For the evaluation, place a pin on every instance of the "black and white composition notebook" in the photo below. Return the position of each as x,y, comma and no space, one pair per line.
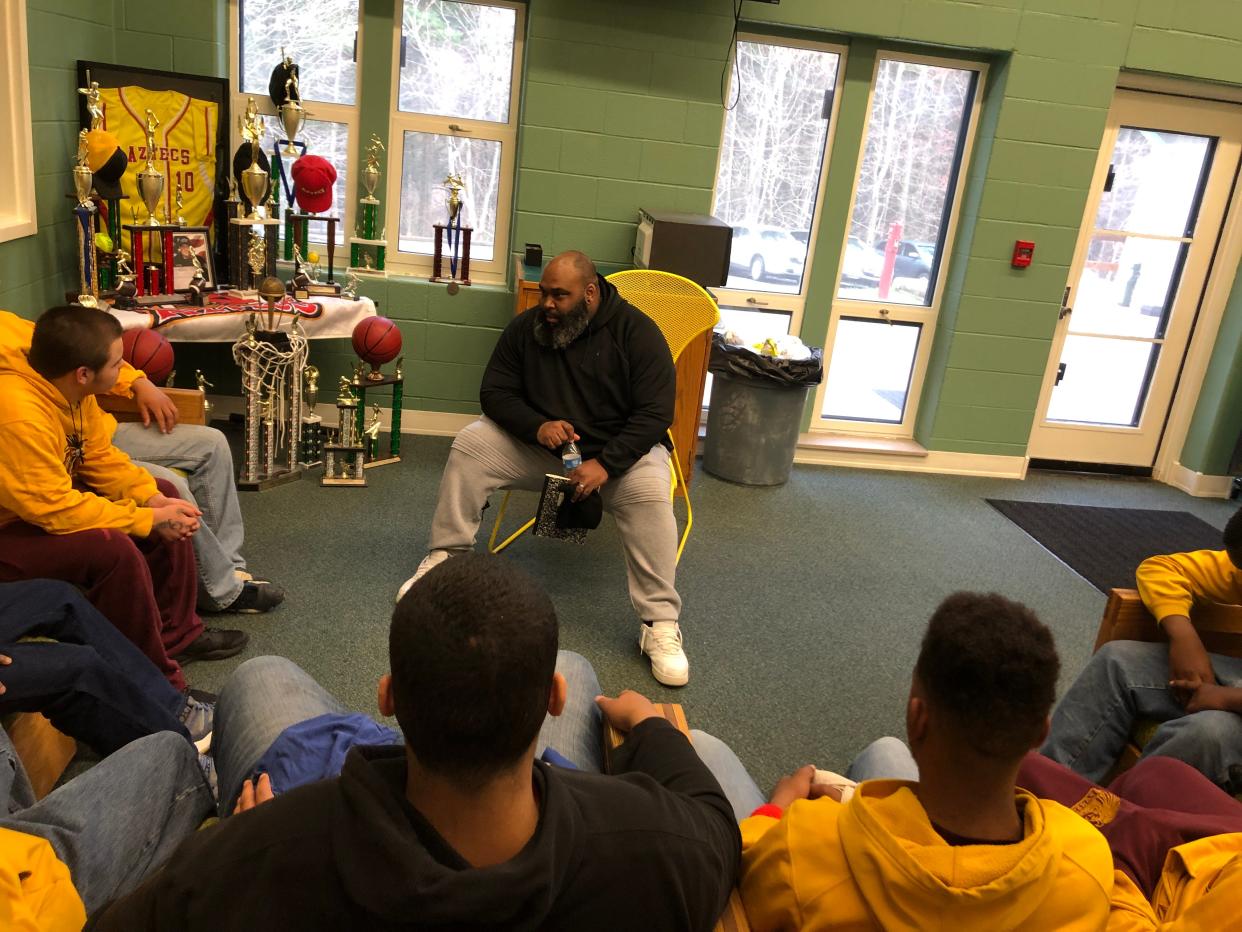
555,490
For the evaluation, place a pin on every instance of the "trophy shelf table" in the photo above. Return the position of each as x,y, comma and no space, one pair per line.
223,318
691,373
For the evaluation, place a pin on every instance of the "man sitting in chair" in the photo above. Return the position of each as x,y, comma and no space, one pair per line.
584,365
1196,696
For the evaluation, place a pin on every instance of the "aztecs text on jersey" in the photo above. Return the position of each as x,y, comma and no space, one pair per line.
185,149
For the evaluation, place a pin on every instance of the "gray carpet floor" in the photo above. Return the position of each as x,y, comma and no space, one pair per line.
804,604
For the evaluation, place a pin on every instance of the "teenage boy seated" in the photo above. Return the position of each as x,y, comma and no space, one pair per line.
73,506
1196,696
955,844
160,445
461,827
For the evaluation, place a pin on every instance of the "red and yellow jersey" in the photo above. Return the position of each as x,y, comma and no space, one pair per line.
186,148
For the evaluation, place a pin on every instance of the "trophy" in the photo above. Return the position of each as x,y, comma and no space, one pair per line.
126,288
254,179
343,461
93,106
371,432
312,423
203,385
151,179
271,290
292,112
83,178
368,236
178,205
458,240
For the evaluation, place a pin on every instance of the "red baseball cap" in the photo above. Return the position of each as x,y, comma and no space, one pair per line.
313,177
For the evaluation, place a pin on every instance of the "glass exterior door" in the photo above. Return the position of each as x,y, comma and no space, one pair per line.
1143,254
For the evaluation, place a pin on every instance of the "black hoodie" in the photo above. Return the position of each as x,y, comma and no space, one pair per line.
615,383
656,848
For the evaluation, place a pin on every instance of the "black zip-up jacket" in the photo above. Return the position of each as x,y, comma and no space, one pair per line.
653,849
615,383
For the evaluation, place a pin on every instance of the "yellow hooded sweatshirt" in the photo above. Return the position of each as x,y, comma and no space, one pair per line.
1171,584
877,863
36,892
35,422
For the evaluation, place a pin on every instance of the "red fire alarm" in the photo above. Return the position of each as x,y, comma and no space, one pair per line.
1023,250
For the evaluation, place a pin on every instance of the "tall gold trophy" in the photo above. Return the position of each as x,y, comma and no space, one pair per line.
151,179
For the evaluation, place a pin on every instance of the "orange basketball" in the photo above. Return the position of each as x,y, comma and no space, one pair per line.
377,340
149,351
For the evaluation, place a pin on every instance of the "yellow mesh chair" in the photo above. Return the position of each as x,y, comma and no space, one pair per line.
683,311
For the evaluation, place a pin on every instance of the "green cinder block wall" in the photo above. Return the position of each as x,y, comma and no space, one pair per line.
621,109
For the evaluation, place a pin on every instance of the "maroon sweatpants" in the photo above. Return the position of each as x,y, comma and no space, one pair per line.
1158,804
146,587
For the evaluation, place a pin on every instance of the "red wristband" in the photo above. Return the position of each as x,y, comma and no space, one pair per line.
769,809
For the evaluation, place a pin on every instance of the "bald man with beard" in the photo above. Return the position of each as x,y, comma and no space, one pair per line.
583,365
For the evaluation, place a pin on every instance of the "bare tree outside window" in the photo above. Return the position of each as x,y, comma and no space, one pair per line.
771,158
426,161
317,34
458,59
458,64
919,115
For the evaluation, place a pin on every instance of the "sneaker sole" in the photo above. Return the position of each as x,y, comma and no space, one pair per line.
671,680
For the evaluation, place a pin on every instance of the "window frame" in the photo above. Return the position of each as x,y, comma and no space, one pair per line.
495,270
925,315
319,111
773,301
18,212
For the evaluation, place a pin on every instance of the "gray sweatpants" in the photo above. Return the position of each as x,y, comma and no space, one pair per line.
485,459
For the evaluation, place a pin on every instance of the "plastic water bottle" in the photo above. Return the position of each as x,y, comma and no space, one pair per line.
571,456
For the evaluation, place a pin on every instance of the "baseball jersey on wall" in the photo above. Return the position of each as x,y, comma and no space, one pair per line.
186,141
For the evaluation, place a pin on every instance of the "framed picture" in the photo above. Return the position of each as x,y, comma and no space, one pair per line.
192,245
192,139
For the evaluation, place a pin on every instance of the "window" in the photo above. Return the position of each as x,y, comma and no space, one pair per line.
321,36
920,125
455,88
769,180
17,208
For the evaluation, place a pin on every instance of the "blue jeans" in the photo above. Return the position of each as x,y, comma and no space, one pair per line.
882,759
1129,680
92,683
266,695
203,454
117,822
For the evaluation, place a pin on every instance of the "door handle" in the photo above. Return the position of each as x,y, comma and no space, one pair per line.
1060,375
1066,310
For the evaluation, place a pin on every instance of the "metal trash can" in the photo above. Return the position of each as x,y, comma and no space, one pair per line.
752,429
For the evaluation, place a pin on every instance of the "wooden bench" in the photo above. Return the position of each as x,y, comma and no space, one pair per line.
734,917
44,751
1126,618
189,402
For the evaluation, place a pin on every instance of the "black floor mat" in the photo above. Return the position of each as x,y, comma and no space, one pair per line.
1105,545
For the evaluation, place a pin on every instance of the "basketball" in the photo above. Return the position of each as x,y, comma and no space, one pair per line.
149,351
377,340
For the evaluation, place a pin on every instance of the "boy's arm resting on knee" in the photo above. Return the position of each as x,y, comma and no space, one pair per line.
35,486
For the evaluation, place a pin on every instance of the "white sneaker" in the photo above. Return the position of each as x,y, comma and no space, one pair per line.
661,642
430,562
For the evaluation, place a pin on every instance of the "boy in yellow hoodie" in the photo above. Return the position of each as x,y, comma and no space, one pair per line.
1196,696
73,506
959,846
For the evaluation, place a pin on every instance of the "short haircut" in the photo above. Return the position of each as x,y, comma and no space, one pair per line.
581,263
1233,539
70,336
472,650
990,666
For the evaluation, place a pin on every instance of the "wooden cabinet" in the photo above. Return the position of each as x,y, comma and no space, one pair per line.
691,377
